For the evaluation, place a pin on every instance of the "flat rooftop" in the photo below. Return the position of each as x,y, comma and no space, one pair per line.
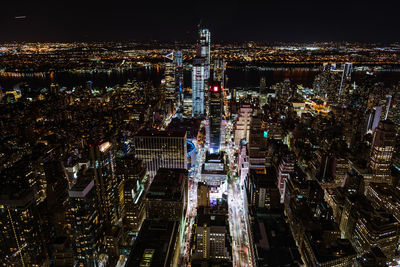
155,244
168,184
156,133
327,250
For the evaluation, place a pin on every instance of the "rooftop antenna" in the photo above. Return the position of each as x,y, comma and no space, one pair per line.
199,25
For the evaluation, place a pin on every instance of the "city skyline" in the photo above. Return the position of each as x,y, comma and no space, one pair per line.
200,154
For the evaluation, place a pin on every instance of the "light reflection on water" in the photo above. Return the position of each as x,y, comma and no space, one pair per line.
236,77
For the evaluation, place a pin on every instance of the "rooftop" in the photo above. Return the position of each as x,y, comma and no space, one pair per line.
83,185
168,184
153,247
155,133
204,217
327,250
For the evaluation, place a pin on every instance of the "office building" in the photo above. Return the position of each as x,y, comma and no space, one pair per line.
21,242
161,149
257,142
263,193
211,236
198,86
56,195
187,103
87,230
320,250
178,59
286,168
214,171
386,197
382,149
368,226
373,258
103,163
346,75
62,253
169,82
243,161
377,229
134,182
205,43
179,71
242,124
374,117
156,245
215,117
167,197
333,169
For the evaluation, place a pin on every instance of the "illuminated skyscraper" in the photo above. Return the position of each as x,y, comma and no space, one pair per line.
374,116
169,81
20,239
86,225
215,117
382,151
347,70
134,182
200,73
205,42
178,61
103,162
198,84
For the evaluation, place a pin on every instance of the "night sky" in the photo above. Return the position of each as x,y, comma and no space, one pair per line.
263,20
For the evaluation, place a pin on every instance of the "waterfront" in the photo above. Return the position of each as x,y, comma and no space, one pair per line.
236,77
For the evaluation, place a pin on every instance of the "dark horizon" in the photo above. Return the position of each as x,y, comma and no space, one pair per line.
301,22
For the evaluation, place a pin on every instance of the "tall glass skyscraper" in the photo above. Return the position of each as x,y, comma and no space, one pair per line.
198,83
169,78
201,73
178,61
103,162
382,150
205,41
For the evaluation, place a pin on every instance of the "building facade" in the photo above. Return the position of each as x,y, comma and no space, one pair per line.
198,85
161,149
215,117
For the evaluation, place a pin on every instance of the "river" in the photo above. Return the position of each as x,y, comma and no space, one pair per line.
236,77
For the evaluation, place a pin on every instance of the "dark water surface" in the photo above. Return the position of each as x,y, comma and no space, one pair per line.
236,77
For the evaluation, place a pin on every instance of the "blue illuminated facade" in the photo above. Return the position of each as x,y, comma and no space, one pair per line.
205,41
198,84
